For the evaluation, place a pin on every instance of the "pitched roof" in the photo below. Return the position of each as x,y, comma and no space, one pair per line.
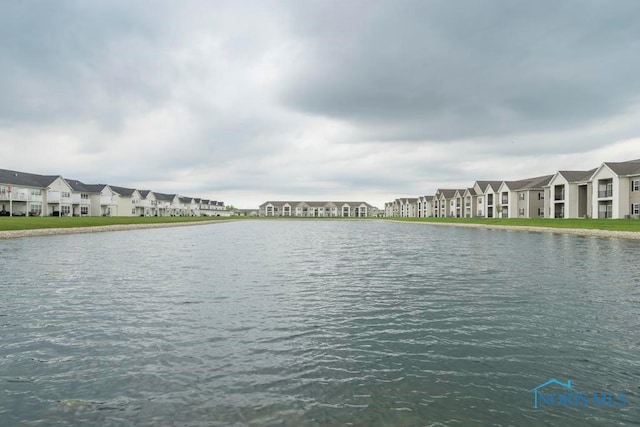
123,191
317,204
26,179
447,193
529,183
165,197
94,188
631,167
310,203
272,202
577,176
79,186
484,184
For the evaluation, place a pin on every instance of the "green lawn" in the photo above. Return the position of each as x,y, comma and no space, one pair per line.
602,224
31,223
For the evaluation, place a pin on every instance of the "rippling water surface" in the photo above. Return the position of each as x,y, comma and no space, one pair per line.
315,323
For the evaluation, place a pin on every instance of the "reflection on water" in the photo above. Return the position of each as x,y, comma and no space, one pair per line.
315,323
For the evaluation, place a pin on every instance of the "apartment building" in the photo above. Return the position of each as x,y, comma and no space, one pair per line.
318,209
27,194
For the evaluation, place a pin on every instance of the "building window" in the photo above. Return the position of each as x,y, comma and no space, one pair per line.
84,210
65,194
35,209
34,192
521,196
65,210
521,212
635,209
605,188
605,210
635,185
541,195
540,212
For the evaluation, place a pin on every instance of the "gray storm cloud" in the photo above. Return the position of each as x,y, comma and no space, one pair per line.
249,99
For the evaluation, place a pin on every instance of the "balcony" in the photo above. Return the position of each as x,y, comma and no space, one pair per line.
106,200
53,197
505,201
605,193
14,195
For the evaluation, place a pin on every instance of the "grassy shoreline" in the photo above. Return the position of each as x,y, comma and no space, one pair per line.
37,223
627,225
40,223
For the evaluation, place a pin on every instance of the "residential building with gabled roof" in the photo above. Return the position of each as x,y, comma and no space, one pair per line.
165,203
81,198
616,190
521,199
480,189
104,201
469,202
23,193
27,194
317,209
425,206
129,201
444,198
569,195
408,207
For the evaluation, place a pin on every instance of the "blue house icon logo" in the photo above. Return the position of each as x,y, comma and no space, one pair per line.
569,397
536,390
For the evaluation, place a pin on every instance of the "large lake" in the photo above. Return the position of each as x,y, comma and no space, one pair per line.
302,323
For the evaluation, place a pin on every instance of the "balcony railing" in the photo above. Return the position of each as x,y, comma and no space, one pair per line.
605,193
15,195
559,196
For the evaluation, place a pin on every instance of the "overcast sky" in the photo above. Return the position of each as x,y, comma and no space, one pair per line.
246,101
